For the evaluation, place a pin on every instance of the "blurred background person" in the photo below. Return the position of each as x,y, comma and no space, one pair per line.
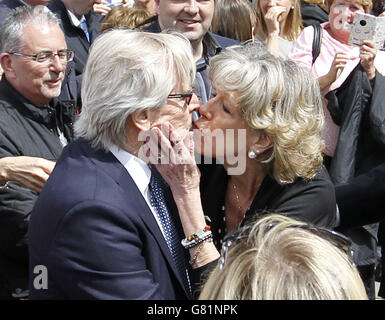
6,6
313,12
235,19
279,258
125,17
279,23
263,97
354,140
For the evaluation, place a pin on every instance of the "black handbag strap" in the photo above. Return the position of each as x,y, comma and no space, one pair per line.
316,41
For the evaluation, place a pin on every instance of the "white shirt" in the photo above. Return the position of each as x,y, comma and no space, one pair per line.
139,172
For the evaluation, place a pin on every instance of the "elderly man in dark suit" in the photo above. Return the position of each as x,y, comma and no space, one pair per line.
111,227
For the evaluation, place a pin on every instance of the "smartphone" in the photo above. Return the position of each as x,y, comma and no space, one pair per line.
367,27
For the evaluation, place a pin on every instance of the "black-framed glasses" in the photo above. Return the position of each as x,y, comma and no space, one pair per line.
185,96
44,56
339,240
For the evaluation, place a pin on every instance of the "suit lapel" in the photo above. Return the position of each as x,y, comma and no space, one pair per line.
126,181
117,171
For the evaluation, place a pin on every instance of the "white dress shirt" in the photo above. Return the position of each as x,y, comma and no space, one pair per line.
140,173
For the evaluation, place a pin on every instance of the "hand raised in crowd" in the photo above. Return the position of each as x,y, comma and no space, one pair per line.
104,7
273,18
30,172
368,52
338,64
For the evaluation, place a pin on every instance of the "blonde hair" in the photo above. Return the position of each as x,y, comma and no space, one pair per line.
293,24
281,100
234,19
283,259
125,18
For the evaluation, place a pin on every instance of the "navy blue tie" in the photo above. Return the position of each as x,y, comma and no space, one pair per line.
173,241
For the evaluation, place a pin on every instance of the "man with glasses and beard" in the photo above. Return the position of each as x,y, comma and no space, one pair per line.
34,128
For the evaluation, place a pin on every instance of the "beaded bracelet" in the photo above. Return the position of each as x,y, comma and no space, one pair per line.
196,238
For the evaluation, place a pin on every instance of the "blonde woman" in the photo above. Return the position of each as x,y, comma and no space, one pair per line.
270,113
279,258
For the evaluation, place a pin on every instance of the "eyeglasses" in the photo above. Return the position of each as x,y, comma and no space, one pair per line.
44,56
186,96
339,240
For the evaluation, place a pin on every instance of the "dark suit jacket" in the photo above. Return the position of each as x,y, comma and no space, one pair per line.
75,37
94,232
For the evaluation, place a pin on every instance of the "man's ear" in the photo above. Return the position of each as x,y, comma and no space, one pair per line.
141,120
7,65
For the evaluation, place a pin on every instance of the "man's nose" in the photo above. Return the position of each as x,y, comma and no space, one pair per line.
192,7
194,103
57,64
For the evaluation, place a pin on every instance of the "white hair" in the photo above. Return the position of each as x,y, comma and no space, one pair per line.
128,71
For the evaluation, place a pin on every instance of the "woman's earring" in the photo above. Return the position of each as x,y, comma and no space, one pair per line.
292,8
252,154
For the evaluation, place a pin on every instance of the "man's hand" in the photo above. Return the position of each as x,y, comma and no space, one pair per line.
30,172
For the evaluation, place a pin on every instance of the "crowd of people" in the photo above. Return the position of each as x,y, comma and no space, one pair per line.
216,149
